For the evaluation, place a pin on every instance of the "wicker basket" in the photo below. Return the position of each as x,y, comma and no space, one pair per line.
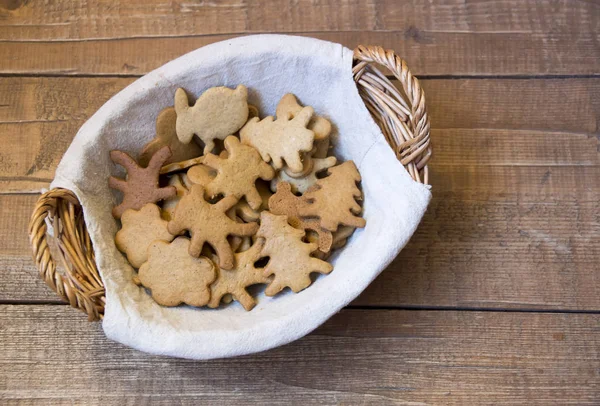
400,113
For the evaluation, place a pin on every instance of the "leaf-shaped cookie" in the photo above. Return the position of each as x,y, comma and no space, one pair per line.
174,277
141,185
208,223
290,261
139,229
166,135
333,199
217,113
236,280
237,174
302,184
285,202
280,140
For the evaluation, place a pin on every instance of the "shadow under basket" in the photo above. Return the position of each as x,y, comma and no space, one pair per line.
400,113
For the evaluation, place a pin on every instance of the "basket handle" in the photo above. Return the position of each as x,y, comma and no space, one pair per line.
81,285
403,121
402,117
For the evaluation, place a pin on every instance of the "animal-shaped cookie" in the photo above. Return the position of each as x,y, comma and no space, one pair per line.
289,107
167,136
141,185
333,199
237,174
208,223
139,229
280,140
290,261
285,202
236,280
217,113
175,277
302,184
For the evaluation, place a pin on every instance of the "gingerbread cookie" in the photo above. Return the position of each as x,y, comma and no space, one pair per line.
236,280
141,185
237,174
217,113
236,243
167,136
280,140
175,277
340,238
300,185
290,260
139,229
285,202
201,174
289,107
333,199
208,223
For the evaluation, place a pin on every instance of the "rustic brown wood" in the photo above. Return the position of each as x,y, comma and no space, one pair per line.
428,52
51,355
513,224
486,241
501,237
476,122
437,38
500,170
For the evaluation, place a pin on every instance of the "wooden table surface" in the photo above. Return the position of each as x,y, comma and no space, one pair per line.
495,300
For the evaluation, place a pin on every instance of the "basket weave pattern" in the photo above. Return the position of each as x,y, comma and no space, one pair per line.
400,113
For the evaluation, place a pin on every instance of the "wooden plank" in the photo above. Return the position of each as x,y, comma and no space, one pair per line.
427,53
503,179
475,122
38,119
501,237
24,20
493,237
443,38
52,355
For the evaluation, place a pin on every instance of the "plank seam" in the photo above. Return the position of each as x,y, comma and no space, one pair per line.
420,77
363,307
472,309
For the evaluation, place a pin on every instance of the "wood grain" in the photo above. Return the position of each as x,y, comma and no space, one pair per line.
501,237
52,356
513,224
450,37
487,241
476,122
501,170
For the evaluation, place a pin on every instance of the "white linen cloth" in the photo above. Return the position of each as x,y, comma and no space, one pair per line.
319,74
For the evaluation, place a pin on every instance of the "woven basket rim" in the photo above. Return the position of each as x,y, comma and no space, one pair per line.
400,113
